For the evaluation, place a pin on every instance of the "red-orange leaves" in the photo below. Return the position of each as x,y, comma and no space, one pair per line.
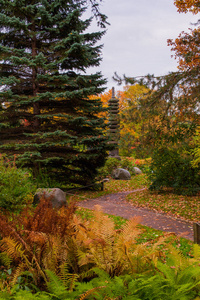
187,49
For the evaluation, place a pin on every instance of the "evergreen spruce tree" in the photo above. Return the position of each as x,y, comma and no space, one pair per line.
47,118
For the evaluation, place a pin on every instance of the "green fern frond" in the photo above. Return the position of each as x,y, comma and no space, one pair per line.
167,272
26,295
64,270
190,274
55,284
67,278
148,287
72,278
181,281
177,259
184,291
101,274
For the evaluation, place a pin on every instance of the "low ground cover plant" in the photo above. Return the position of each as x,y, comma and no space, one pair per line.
165,283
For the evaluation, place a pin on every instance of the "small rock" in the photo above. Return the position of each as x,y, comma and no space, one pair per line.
137,171
57,196
121,174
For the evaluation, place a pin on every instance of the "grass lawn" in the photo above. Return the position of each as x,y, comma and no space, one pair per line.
110,187
185,207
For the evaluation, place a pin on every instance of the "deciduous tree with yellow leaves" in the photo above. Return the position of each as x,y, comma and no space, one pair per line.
133,126
174,103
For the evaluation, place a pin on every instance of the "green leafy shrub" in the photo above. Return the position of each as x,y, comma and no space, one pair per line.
196,151
110,164
113,163
16,187
172,168
127,164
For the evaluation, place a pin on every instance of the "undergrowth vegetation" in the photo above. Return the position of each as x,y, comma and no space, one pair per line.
72,253
172,167
57,254
127,163
16,186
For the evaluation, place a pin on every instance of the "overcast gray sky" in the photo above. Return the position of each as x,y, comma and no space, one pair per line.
136,41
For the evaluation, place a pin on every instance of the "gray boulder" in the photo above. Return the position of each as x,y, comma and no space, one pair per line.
56,195
137,171
121,174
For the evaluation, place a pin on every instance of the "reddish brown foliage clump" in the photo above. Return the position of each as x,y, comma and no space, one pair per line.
33,240
43,219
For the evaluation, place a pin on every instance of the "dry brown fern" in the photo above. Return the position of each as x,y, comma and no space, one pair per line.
92,291
115,251
102,246
37,238
49,220
18,271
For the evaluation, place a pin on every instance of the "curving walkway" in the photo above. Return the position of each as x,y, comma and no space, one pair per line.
115,204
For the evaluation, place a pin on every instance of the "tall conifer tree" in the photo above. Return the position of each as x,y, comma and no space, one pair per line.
46,116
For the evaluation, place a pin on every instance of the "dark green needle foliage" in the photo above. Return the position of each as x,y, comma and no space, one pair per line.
46,115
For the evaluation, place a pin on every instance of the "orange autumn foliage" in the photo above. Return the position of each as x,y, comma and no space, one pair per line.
132,124
108,95
105,97
186,46
187,5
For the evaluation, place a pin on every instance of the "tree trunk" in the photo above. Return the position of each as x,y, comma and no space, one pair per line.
36,106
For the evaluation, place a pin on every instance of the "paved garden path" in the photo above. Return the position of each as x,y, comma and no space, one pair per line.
115,204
